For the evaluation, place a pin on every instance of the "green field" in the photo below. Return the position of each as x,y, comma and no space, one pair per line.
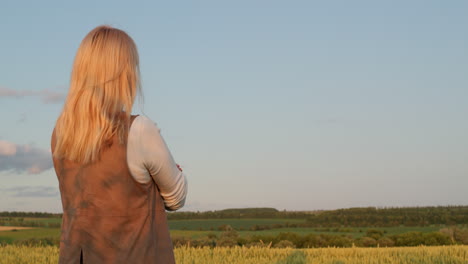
238,224
191,229
360,227
43,220
355,233
11,236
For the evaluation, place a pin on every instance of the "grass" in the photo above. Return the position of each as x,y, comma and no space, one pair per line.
208,224
355,233
43,220
10,236
177,229
257,255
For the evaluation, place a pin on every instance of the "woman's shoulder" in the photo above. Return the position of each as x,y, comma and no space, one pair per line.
142,123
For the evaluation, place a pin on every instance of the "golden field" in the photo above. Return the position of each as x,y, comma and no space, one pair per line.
261,255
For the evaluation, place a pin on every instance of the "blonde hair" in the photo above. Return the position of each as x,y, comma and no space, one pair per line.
104,82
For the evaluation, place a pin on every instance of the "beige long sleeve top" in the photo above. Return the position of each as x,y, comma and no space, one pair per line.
148,156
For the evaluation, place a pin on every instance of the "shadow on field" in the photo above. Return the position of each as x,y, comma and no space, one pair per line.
297,257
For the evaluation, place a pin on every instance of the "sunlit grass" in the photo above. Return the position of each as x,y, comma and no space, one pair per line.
261,255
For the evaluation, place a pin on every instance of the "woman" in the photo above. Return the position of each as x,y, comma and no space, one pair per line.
115,172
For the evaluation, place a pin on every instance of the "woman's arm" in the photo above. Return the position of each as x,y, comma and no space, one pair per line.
160,164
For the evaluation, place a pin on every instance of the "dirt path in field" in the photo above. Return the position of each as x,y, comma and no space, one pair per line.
8,228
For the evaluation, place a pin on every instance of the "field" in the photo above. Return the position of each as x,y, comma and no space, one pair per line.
11,236
209,224
256,255
14,228
195,229
253,227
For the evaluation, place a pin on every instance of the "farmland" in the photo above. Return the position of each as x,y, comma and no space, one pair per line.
19,234
430,226
259,255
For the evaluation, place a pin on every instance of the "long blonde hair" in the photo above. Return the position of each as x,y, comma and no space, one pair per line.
104,82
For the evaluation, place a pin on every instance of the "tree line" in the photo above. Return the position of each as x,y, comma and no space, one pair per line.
387,217
30,214
239,213
351,217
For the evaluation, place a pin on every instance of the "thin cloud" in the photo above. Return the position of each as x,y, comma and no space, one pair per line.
22,118
47,96
31,191
24,158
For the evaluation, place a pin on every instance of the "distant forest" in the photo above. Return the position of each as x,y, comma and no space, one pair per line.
351,217
388,217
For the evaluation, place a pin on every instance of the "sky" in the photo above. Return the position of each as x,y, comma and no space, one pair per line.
296,105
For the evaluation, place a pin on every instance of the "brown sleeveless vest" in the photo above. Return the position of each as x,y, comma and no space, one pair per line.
109,217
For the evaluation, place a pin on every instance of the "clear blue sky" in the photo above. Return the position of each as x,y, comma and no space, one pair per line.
297,105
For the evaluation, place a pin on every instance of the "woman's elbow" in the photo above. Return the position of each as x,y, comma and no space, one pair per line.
175,206
178,197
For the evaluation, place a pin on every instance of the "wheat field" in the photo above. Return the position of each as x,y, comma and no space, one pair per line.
258,255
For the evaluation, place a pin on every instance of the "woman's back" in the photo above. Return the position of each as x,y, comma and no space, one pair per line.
109,214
